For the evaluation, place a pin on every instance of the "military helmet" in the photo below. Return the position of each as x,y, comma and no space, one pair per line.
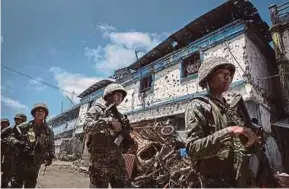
111,88
39,105
5,120
21,116
210,65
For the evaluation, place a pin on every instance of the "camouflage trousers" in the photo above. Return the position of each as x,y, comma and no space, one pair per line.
26,174
7,169
102,174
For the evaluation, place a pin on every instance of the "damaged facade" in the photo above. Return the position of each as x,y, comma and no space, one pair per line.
63,127
280,35
161,83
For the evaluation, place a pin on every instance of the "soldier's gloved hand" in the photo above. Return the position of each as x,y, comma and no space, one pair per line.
116,125
248,133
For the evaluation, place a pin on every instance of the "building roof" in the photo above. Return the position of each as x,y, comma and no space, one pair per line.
215,19
98,85
64,113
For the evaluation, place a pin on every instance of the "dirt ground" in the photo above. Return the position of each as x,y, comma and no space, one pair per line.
62,175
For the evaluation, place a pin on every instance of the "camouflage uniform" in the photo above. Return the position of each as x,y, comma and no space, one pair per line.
107,164
6,155
36,148
215,154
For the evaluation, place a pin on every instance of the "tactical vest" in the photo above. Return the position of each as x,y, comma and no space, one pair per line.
224,158
103,143
39,138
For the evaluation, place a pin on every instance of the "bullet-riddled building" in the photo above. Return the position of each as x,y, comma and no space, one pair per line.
161,83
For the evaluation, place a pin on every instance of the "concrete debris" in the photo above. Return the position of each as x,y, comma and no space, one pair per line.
81,163
83,169
70,149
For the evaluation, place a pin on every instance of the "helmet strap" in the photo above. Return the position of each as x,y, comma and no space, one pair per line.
208,87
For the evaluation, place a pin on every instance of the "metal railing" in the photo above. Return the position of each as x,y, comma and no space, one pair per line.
279,13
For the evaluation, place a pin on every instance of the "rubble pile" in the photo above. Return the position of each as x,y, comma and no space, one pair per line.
70,150
163,161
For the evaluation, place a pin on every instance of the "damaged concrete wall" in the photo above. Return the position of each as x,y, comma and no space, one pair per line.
81,116
234,46
256,63
57,144
168,87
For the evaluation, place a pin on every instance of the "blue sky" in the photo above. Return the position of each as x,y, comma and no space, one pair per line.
74,43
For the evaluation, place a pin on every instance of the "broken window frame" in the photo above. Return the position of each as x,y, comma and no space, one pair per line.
183,63
143,89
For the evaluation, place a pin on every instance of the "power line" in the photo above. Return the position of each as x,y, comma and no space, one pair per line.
39,81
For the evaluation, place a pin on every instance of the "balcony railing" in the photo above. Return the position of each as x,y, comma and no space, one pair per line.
279,13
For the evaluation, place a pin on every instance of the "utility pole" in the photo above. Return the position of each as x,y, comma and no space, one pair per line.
61,106
136,51
70,99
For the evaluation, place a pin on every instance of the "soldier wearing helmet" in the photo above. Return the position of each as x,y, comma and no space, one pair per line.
35,141
8,152
106,162
20,118
5,153
210,135
4,123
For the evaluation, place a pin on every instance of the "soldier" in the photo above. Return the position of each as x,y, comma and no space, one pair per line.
106,162
5,154
213,142
4,123
9,166
20,118
36,143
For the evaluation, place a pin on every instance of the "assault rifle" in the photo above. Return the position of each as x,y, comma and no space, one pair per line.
111,112
265,175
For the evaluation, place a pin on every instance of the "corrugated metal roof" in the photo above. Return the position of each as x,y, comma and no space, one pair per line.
98,85
215,19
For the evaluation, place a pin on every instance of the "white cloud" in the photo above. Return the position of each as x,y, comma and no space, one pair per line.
120,51
14,104
36,85
72,82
